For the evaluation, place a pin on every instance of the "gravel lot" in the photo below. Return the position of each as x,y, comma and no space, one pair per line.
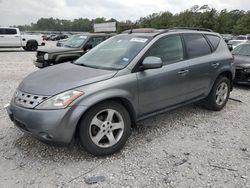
187,147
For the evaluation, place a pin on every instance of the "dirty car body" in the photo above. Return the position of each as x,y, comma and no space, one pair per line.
132,72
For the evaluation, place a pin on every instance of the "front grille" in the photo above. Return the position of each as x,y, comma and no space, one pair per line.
28,100
241,75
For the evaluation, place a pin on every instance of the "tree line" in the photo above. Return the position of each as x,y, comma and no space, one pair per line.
224,21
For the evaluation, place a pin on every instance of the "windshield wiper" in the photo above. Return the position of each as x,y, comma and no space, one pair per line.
96,67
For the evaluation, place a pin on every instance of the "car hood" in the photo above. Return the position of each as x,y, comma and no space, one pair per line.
242,61
58,49
62,77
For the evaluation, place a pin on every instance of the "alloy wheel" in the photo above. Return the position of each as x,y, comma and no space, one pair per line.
106,128
221,93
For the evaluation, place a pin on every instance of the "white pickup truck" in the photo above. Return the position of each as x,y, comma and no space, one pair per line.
12,38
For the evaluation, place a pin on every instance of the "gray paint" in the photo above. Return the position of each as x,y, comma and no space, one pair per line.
147,92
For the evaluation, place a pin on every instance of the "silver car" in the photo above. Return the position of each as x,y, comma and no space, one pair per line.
129,77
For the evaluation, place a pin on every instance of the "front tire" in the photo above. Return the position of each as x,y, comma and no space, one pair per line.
105,128
219,94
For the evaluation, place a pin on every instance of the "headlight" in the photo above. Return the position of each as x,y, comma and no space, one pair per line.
46,56
60,101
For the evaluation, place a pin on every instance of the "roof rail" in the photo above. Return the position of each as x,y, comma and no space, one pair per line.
183,28
193,28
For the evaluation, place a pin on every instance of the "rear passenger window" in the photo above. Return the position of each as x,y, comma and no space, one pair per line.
215,40
196,45
169,49
10,31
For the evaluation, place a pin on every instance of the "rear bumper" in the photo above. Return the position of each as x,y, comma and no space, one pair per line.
50,126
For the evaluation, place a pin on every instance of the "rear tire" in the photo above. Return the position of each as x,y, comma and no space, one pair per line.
219,94
31,46
105,128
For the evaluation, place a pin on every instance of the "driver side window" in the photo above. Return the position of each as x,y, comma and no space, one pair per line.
169,49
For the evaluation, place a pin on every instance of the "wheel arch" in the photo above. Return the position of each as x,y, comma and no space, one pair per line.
120,99
229,75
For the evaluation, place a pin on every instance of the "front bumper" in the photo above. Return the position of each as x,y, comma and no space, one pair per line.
51,126
242,77
39,64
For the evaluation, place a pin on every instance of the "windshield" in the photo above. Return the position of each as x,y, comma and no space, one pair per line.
243,50
115,53
75,41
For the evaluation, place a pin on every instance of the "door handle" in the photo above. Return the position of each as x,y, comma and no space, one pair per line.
1,36
215,65
183,72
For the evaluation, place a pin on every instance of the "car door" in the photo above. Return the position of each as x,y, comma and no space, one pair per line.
200,62
10,38
166,86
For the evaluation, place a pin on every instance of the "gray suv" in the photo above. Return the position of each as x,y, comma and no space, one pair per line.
129,77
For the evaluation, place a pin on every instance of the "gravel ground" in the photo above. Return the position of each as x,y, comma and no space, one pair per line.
186,147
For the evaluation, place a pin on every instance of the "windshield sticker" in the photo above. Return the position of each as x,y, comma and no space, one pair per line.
83,37
143,40
125,59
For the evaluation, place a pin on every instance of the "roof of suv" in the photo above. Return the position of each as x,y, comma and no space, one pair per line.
151,32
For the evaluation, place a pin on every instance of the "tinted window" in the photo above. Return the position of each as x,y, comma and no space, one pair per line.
196,45
96,40
169,49
10,31
215,40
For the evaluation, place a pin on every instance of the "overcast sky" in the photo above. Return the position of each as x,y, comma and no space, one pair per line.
18,12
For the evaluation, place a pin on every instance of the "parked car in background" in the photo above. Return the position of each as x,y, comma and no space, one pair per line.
48,37
248,36
234,43
227,37
12,38
241,37
242,64
58,37
61,42
127,78
72,49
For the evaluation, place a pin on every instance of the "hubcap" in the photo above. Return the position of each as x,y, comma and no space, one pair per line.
106,128
221,93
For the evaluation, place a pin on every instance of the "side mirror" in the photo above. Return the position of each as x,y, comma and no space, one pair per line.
88,47
230,47
151,62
